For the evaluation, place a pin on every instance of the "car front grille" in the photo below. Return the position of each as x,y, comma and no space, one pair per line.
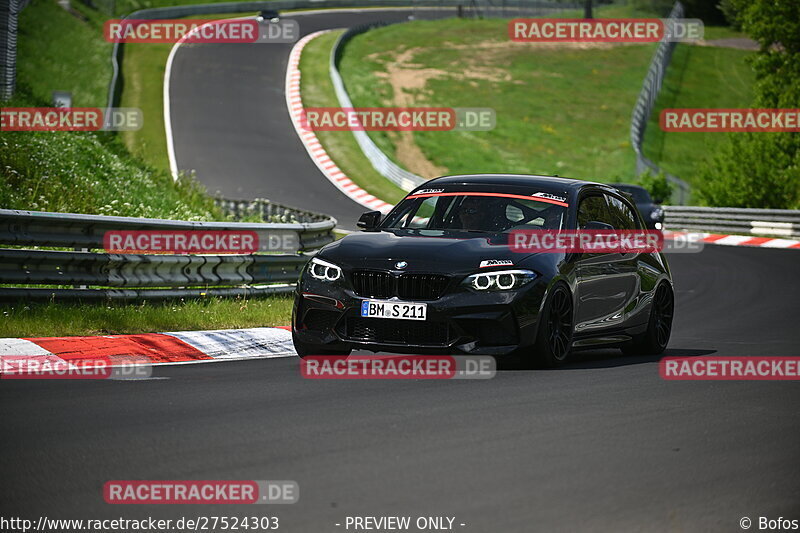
373,284
376,284
421,286
407,332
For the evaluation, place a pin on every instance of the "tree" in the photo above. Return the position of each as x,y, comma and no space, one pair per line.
763,169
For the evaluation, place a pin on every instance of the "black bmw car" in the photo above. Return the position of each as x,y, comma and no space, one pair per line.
437,275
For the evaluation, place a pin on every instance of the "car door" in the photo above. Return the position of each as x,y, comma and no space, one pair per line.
606,282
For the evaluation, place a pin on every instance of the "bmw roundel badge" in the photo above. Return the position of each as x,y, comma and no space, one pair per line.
400,265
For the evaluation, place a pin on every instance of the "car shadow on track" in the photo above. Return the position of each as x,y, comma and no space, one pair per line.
607,358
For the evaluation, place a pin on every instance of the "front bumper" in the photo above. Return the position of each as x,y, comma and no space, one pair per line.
327,316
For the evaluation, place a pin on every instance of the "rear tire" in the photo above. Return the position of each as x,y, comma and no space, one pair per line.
556,328
659,327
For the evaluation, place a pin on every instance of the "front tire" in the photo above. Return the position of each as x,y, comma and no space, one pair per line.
556,328
303,350
659,328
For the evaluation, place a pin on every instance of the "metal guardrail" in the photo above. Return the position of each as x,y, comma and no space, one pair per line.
43,267
99,276
767,222
644,108
38,228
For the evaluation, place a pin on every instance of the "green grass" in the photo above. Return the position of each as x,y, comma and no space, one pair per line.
317,91
559,111
125,7
563,111
56,320
698,77
77,172
143,87
57,51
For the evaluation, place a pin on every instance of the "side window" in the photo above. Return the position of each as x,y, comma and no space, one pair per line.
593,208
620,213
417,215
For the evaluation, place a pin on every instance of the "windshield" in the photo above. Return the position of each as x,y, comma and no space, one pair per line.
477,211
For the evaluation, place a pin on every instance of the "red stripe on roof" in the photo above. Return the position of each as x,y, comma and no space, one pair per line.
496,194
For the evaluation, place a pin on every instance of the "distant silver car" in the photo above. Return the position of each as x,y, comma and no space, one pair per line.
652,213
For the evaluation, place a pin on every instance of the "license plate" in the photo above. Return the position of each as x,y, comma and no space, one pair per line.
396,310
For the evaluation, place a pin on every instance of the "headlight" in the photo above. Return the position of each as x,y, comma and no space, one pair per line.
323,270
657,213
501,280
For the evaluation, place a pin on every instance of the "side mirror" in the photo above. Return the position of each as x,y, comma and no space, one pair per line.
595,225
369,220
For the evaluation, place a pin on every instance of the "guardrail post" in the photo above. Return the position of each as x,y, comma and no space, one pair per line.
9,21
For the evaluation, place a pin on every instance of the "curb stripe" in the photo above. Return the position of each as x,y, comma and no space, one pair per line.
309,139
240,343
178,347
157,347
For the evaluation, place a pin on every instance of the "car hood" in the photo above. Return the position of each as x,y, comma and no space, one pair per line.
446,254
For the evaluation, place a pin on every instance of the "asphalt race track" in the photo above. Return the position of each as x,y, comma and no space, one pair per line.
231,125
603,444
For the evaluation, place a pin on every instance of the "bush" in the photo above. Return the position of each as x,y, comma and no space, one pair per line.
763,169
760,170
658,186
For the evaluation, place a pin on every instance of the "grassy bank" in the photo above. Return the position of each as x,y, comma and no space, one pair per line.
78,172
56,320
143,74
698,77
96,173
560,109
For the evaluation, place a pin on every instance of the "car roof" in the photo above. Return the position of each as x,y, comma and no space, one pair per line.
524,180
553,184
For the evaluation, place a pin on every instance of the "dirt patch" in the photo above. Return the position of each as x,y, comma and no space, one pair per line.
409,80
